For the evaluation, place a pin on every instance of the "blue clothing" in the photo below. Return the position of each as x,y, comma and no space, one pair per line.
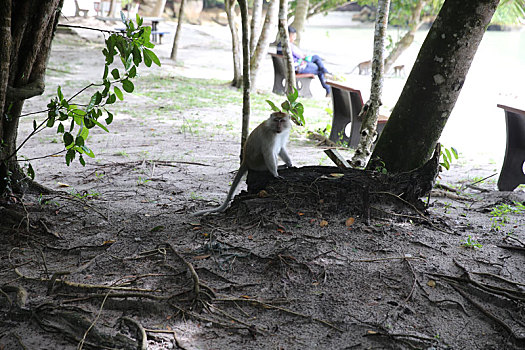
315,66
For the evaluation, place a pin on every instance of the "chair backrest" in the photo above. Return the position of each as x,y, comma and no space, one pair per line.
278,63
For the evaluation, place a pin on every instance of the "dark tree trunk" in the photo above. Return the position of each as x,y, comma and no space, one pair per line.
433,86
26,32
243,4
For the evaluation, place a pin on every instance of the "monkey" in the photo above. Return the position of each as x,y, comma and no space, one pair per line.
364,67
265,143
398,70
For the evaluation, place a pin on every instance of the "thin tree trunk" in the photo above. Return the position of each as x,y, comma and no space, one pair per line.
264,41
255,24
433,86
229,6
371,108
173,55
404,43
112,8
301,10
287,52
243,4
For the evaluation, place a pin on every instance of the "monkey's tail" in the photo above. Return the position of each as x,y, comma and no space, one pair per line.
242,170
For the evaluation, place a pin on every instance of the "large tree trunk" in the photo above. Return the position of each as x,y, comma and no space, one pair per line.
404,43
301,10
433,86
243,4
264,40
371,109
284,39
173,55
229,6
26,32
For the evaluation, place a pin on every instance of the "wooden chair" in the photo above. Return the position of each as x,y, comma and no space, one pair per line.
347,103
302,81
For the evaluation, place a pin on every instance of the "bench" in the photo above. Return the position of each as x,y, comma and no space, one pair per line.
347,103
512,171
302,81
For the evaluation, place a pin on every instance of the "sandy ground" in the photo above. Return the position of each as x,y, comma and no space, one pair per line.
116,241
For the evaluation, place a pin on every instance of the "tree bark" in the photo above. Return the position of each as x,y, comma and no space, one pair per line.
255,24
433,86
264,40
301,10
284,39
371,108
27,28
173,55
229,6
243,4
112,8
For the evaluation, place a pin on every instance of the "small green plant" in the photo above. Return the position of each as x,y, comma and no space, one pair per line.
83,194
380,167
471,243
447,155
142,181
292,107
500,214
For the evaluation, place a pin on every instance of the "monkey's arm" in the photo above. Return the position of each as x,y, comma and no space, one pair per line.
285,157
270,159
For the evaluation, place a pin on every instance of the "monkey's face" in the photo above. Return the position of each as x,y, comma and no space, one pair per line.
280,122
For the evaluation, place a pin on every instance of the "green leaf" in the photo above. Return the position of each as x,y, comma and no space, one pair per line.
147,59
132,72
100,125
137,58
30,171
109,119
79,141
455,152
68,139
81,160
59,93
50,122
123,17
449,156
285,105
62,116
70,155
292,96
88,152
111,99
139,20
128,86
119,93
105,75
115,73
60,129
273,106
151,55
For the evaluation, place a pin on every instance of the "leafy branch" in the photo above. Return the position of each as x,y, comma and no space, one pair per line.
292,107
74,120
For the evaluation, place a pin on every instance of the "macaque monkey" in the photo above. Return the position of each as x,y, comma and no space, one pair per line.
265,143
398,70
364,67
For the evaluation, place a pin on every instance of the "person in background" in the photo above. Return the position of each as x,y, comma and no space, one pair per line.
304,63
